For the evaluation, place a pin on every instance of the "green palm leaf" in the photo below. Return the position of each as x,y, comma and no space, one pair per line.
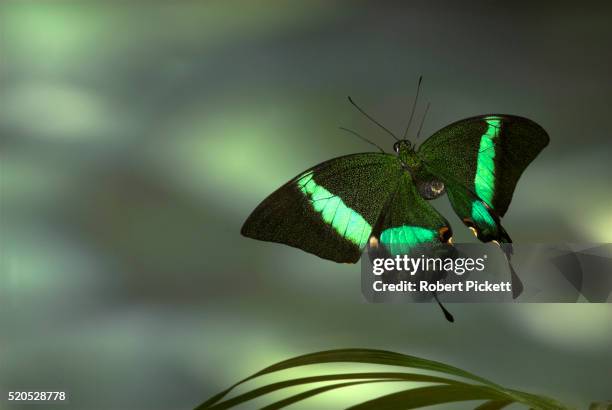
428,396
309,393
443,390
382,376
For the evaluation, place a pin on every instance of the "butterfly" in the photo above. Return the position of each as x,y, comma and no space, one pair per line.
336,208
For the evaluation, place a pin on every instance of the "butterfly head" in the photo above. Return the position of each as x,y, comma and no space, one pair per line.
403,146
406,153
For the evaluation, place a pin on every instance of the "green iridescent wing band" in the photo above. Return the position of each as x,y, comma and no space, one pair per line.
408,221
330,209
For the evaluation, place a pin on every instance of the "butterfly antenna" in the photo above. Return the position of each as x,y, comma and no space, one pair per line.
447,314
371,119
416,98
362,138
423,120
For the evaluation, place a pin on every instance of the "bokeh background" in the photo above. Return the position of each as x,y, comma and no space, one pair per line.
136,138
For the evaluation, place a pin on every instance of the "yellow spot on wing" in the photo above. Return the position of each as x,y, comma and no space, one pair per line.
373,242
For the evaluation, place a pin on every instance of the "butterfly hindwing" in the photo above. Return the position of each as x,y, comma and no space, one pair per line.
330,209
409,221
476,214
486,154
485,224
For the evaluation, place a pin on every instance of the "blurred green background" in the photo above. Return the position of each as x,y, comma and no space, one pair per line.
137,137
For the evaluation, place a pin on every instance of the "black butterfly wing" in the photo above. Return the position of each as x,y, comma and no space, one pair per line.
486,154
330,209
480,161
409,222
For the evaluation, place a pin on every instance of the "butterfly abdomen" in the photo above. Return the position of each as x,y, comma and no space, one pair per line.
427,184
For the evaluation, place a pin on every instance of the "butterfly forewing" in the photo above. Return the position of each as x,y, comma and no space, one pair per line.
486,154
330,209
480,160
